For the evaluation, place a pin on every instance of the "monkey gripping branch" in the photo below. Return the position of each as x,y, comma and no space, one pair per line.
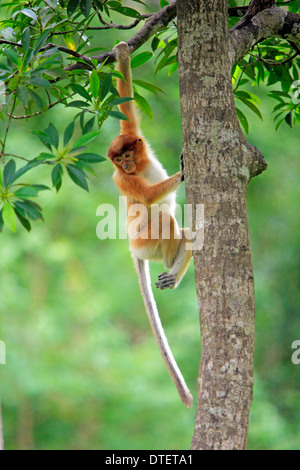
51,54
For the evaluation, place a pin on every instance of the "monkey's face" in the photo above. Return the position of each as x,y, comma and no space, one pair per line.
126,161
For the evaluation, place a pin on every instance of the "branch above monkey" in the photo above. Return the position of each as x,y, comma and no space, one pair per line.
260,21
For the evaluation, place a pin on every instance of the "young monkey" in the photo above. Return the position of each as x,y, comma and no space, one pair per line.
142,179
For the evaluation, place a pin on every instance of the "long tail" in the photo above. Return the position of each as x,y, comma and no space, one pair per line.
125,90
142,268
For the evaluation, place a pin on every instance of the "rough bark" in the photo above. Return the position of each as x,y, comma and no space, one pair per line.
218,166
272,22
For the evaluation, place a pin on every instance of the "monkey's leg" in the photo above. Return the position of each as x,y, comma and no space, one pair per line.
181,262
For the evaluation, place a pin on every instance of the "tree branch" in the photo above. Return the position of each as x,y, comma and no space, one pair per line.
254,7
67,51
272,22
10,43
152,25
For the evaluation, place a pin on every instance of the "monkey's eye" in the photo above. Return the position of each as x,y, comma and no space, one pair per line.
118,159
127,155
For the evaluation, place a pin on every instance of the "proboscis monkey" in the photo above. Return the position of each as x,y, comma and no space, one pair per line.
151,206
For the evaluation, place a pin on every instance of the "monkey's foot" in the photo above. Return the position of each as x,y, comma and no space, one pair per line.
165,281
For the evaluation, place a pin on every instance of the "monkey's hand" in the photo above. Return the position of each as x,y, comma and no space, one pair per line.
122,51
182,167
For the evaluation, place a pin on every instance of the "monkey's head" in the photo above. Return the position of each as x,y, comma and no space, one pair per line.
127,153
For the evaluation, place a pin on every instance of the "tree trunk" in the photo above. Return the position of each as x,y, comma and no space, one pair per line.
218,166
1,429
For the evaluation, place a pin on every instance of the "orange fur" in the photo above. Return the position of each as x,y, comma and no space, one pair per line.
142,179
125,90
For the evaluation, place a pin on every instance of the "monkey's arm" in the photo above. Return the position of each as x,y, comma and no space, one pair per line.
145,193
125,90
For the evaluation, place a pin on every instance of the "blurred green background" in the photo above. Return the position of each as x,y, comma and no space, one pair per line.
83,370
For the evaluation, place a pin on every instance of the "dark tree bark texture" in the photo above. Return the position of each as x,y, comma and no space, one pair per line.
218,166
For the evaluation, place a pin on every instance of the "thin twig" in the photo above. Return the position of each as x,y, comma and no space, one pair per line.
154,23
76,54
10,43
16,156
7,127
27,116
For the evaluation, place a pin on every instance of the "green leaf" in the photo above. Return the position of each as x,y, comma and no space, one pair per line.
118,101
53,135
9,172
148,86
42,39
173,68
81,91
57,174
141,59
44,138
252,106
94,84
29,209
117,115
77,104
24,170
26,12
165,62
143,104
69,133
39,81
85,7
26,192
72,6
288,119
98,4
9,217
243,120
5,68
89,126
154,43
126,11
1,222
26,39
23,95
279,123
37,100
85,139
11,55
90,158
247,95
106,86
77,176
24,221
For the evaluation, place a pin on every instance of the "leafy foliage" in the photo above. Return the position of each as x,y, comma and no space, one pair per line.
46,60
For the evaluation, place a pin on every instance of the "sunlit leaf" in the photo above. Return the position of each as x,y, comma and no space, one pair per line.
9,217
141,59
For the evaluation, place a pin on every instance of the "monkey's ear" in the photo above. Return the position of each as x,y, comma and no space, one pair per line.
139,143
